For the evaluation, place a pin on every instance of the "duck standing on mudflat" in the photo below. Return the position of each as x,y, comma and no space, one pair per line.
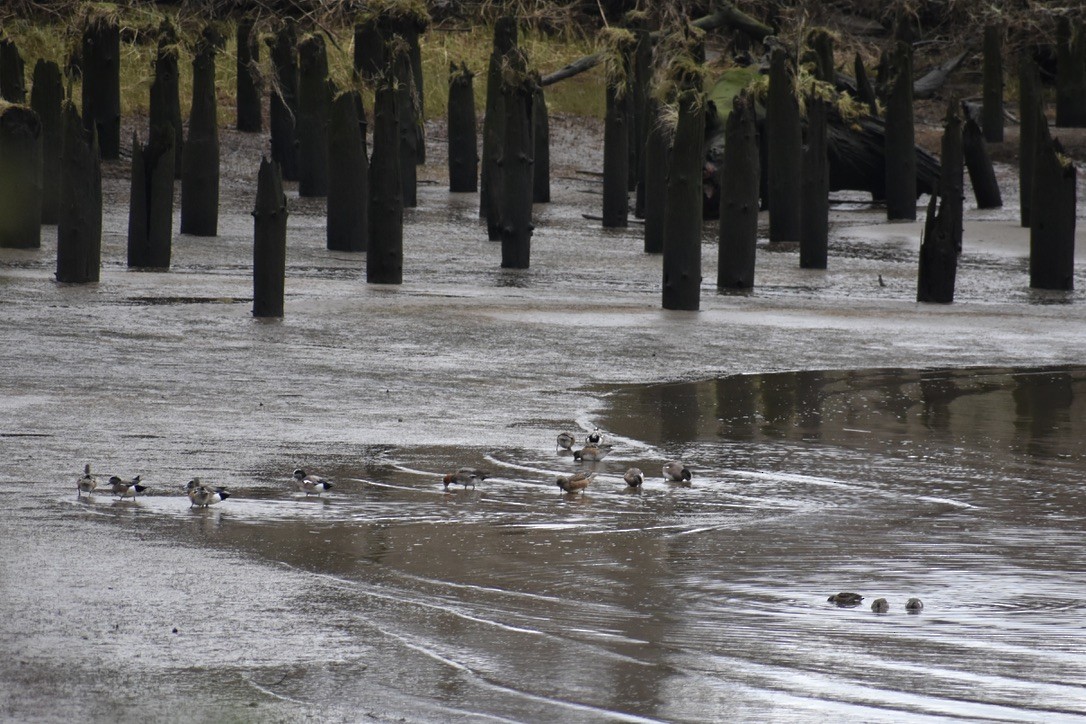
85,484
592,452
566,440
311,484
634,478
464,476
676,472
126,488
577,483
201,496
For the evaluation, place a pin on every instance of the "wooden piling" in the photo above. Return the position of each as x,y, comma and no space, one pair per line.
384,260
101,65
682,227
941,244
165,109
642,82
369,48
864,89
505,40
348,178
79,229
12,73
1030,108
821,42
981,173
150,211
900,137
314,98
992,84
541,158
463,149
269,242
785,142
47,99
739,186
517,90
815,201
657,162
616,131
20,177
249,80
283,107
200,159
407,119
1052,215
1070,73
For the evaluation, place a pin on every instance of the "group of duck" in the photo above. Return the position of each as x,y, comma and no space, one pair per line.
200,494
848,599
594,449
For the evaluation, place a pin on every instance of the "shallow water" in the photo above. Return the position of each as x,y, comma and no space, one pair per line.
841,436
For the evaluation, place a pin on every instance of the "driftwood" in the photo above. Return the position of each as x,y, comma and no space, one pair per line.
981,174
929,84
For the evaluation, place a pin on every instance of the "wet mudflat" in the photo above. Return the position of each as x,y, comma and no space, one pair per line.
842,437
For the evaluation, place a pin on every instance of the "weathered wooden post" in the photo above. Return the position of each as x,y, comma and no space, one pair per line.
682,226
249,80
102,80
369,47
981,174
463,151
785,141
407,118
269,242
541,159
517,90
657,161
200,160
314,98
642,82
1052,215
410,24
992,86
165,91
348,178
616,133
79,230
12,73
1070,73
384,260
150,210
815,202
941,244
1030,109
739,197
20,177
283,108
505,40
821,42
47,98
864,89
900,137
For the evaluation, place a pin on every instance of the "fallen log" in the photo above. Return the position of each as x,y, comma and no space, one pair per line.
930,83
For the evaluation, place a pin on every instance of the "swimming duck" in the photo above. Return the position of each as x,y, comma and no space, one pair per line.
592,452
676,472
634,478
126,488
914,605
87,483
594,438
464,476
566,440
846,599
880,605
311,484
204,495
577,483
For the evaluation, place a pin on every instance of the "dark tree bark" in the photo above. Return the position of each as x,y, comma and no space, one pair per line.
79,230
864,90
20,177
12,73
46,98
981,174
616,152
408,120
102,81
682,228
269,242
900,138
250,83
150,211
1030,109
505,40
1052,215
657,161
815,204
943,225
541,160
283,110
314,98
785,140
165,108
384,261
1070,73
348,177
516,166
200,161
992,113
463,148
739,197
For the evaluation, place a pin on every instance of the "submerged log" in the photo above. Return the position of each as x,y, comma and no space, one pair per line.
249,82
269,242
1052,215
150,210
815,202
20,177
101,65
518,88
165,107
12,73
941,244
981,174
784,137
314,98
505,40
992,112
384,260
463,149
682,226
47,99
1030,109
283,108
200,160
739,197
79,230
900,138
348,178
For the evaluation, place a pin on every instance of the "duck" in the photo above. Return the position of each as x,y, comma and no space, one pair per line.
576,483
464,476
914,605
566,440
87,483
676,472
592,452
845,599
634,478
594,438
126,488
880,605
204,495
311,484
